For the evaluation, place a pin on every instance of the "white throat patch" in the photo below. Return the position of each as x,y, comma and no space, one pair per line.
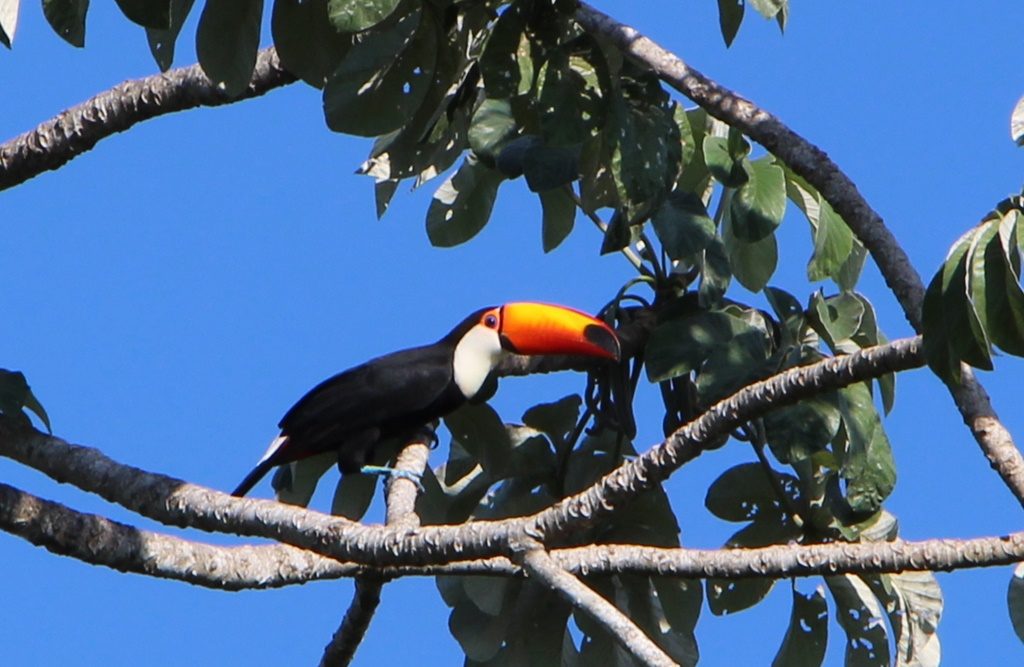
476,355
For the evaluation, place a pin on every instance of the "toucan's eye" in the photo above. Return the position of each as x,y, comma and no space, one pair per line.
491,321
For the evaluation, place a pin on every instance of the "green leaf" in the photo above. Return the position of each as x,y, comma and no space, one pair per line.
693,127
680,345
618,234
479,430
757,208
359,15
646,147
492,128
913,601
8,20
752,263
837,319
833,240
1015,600
797,431
558,218
728,596
996,288
555,419
462,205
67,18
307,44
227,39
952,332
597,187
570,109
769,8
730,16
161,41
1017,123
549,167
683,225
680,601
730,170
744,492
868,466
487,593
296,482
154,14
849,272
861,617
384,78
715,274
479,635
807,635
499,64
353,495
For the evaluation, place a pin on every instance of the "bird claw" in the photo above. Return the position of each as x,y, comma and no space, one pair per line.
393,473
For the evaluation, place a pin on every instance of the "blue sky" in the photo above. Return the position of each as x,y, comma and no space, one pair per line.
172,292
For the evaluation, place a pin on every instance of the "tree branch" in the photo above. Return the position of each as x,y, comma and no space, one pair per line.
401,511
100,541
540,565
59,140
838,189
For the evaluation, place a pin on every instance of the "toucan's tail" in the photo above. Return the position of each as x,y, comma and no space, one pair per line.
254,476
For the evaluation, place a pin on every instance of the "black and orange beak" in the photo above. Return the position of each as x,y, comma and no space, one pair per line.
540,328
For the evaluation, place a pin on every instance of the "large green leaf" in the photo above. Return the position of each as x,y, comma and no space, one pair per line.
744,493
1015,600
715,274
995,284
462,205
359,15
683,225
952,332
569,106
499,64
162,40
487,593
728,596
559,215
8,21
807,635
868,466
680,345
728,165
753,264
556,419
862,618
492,127
307,44
154,14
353,495
67,18
837,319
384,78
757,208
646,148
480,431
833,240
296,482
227,39
913,602
797,431
730,16
681,601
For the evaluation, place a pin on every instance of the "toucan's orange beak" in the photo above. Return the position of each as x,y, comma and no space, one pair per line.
540,328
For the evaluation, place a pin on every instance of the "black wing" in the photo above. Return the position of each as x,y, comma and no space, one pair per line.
390,394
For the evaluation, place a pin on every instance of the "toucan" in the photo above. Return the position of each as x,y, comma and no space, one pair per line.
398,394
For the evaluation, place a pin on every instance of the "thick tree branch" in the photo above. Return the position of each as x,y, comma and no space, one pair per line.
401,511
178,503
100,541
814,165
539,565
57,141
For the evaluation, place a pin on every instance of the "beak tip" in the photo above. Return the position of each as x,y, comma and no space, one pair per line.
603,337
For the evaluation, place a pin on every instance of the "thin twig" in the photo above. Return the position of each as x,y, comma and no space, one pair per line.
539,564
401,511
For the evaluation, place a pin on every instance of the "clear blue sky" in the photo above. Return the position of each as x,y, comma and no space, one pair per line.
172,292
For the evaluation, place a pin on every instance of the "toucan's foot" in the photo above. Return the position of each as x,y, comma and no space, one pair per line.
391,472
